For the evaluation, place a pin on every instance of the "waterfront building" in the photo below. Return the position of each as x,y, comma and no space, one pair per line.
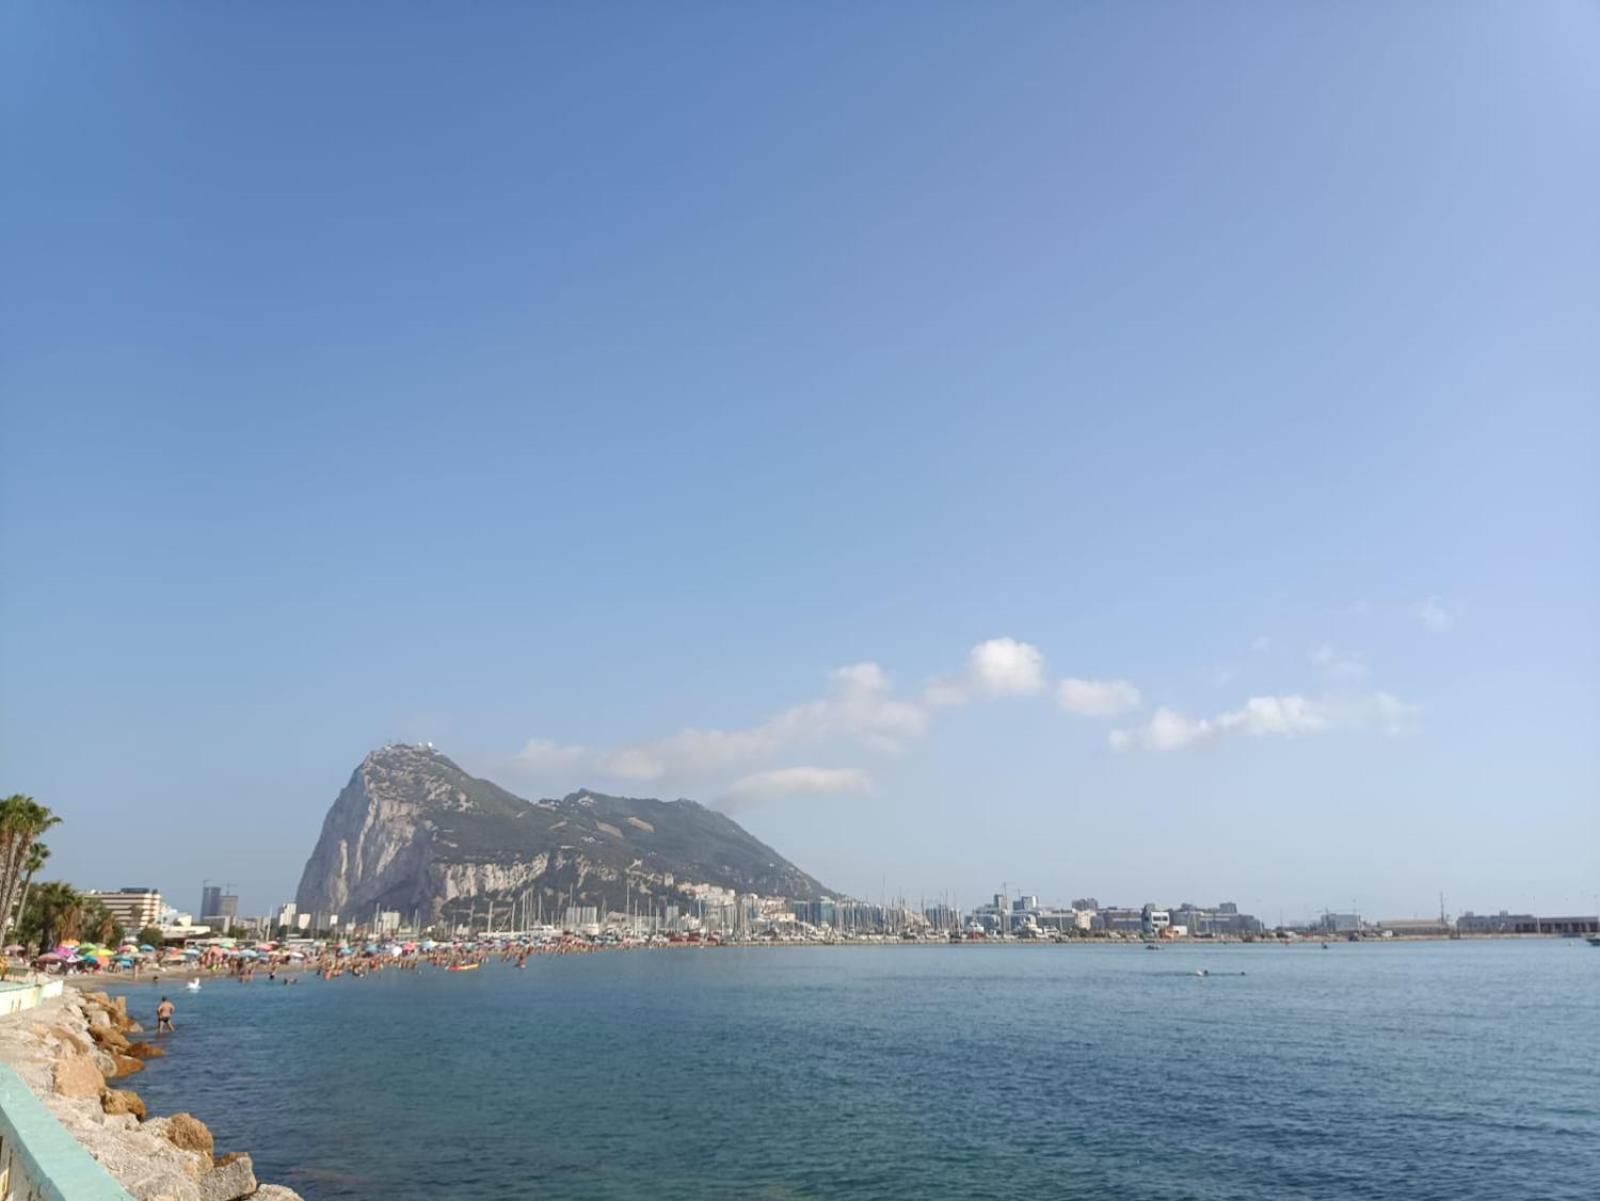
1339,923
134,908
1153,922
1416,927
1118,920
1526,923
1224,920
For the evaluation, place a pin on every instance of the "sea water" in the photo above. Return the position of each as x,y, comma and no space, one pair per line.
1449,1070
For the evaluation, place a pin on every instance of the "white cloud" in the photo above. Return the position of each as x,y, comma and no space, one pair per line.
859,707
1340,665
1006,667
778,783
1433,615
1287,716
998,667
554,758
1097,698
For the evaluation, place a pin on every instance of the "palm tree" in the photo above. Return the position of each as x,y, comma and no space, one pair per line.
96,923
55,911
22,820
37,854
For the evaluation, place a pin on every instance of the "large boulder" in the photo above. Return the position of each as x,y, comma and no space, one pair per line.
127,1065
142,1050
110,1037
163,1185
77,1076
276,1192
232,1178
190,1133
147,1166
73,1038
123,1100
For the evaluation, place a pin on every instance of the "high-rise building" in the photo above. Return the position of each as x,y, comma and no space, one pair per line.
134,908
217,908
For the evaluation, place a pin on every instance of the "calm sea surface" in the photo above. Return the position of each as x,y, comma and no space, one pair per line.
1426,1070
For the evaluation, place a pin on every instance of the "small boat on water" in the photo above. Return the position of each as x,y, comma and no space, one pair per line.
193,986
1594,940
463,967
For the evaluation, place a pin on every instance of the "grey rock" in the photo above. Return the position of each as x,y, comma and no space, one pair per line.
229,1181
412,830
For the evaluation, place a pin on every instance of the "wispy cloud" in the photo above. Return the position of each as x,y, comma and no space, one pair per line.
1097,698
1337,664
1287,716
860,707
1433,615
783,782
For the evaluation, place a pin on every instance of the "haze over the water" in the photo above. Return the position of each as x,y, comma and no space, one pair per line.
1140,452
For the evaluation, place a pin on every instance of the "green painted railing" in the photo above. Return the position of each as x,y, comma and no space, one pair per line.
39,1160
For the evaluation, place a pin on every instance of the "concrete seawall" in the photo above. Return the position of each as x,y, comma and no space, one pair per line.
17,996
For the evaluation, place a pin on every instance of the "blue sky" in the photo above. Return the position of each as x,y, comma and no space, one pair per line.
548,381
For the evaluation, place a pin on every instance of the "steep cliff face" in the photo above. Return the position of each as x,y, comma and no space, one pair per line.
377,840
413,832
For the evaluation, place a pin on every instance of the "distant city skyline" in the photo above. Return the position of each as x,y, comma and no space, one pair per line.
1125,451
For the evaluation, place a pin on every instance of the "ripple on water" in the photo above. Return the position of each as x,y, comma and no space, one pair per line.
1410,1072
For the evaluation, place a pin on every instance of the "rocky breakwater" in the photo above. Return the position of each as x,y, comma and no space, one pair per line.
68,1051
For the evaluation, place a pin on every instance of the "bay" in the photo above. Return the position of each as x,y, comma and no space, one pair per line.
1412,1071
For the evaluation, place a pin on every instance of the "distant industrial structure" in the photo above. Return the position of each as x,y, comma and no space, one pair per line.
1526,923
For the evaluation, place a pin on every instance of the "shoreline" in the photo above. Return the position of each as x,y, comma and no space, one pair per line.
69,1050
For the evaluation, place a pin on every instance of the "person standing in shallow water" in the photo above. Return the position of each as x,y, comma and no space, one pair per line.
164,1012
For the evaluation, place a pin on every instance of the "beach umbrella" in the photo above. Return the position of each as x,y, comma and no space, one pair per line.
124,961
146,947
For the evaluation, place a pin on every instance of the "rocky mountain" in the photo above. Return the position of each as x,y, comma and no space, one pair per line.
412,832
